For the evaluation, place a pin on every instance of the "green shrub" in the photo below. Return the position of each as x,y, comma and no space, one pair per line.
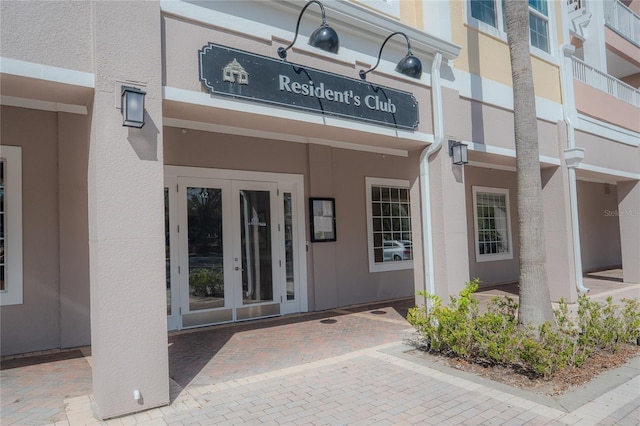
494,337
606,326
207,282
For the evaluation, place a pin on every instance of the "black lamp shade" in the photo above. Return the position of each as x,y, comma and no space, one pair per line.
132,103
410,66
325,38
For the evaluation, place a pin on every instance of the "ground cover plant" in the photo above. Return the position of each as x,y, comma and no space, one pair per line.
491,343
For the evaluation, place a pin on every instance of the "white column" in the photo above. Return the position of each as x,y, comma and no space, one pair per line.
126,216
594,48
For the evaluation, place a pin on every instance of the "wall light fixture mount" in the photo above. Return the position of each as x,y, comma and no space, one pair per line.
458,153
132,106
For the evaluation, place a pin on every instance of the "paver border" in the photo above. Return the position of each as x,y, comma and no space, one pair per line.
567,402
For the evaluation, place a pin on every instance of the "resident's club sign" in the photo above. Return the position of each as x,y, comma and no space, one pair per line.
244,75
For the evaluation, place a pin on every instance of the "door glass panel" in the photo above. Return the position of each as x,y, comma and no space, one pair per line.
206,273
288,245
167,251
255,246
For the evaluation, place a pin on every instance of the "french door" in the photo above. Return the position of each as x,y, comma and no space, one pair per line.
238,253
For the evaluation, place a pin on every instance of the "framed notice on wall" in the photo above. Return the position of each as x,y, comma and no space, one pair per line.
323,219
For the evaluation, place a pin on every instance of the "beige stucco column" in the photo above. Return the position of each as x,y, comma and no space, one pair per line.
449,224
629,218
561,275
126,215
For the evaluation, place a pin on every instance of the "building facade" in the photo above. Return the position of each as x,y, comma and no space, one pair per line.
261,186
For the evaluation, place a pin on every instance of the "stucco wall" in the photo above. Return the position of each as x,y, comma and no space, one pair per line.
59,33
608,153
501,271
55,266
596,103
183,39
336,173
482,123
599,226
487,56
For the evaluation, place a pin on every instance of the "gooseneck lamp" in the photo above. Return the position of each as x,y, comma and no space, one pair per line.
324,37
409,65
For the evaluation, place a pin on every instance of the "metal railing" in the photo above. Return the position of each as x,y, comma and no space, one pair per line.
603,81
622,20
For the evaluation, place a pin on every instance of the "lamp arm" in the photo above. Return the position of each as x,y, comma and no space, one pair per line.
364,73
295,37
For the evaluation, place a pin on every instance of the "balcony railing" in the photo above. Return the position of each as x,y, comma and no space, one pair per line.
622,20
602,81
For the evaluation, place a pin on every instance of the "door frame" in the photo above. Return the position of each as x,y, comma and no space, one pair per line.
292,183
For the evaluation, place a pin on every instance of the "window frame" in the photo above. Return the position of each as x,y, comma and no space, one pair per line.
382,266
494,256
500,32
12,158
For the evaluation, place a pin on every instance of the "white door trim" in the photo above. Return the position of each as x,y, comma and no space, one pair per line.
293,183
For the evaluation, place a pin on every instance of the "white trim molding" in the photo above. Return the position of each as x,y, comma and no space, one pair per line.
498,255
42,105
344,16
610,172
607,130
203,99
11,156
506,152
47,72
384,266
473,86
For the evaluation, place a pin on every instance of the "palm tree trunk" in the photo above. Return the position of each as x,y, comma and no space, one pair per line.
535,301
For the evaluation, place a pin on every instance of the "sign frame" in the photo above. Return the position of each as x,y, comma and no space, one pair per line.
248,76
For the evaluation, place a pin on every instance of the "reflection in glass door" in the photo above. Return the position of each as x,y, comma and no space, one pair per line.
255,241
256,259
237,253
205,296
205,248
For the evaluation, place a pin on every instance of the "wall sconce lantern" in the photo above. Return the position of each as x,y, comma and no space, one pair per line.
409,65
324,37
458,152
132,105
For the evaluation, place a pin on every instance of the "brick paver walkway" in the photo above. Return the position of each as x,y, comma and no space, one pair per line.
345,366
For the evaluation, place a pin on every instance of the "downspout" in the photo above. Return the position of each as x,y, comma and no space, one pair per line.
572,158
438,136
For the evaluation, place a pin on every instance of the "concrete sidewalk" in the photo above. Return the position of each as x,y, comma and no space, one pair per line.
339,367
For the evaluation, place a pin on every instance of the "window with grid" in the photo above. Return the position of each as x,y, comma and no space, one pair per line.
389,224
491,13
10,225
492,224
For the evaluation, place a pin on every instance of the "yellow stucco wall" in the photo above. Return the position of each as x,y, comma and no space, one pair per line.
487,56
411,13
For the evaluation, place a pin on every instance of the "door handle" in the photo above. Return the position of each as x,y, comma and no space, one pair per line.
238,269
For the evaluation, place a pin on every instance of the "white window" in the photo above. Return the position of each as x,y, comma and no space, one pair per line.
492,223
10,225
388,224
488,16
